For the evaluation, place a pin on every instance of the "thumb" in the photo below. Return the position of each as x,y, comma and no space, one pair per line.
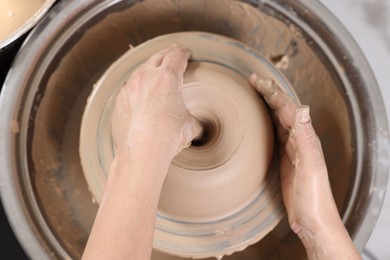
197,130
191,130
308,146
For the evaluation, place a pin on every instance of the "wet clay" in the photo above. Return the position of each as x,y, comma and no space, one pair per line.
219,176
15,13
218,184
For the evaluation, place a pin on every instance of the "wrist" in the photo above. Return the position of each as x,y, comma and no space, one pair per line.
149,160
158,145
330,241
143,154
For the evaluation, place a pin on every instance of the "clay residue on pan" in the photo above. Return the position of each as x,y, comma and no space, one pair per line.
15,13
14,126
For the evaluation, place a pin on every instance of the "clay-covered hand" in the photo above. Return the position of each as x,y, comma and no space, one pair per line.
149,112
306,190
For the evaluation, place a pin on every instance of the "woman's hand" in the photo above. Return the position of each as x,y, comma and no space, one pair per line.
306,190
150,125
149,112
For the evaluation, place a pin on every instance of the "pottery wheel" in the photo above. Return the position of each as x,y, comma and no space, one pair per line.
222,193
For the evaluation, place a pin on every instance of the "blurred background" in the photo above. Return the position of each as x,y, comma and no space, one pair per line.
369,23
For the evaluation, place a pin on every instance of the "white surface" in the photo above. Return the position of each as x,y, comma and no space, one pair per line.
369,23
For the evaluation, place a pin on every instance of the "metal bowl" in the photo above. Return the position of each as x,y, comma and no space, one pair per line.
41,182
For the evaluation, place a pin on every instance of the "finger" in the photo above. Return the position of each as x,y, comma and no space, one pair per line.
308,146
156,59
176,60
153,62
290,149
277,99
287,172
189,132
197,130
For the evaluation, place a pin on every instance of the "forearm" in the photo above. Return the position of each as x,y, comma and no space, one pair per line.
334,243
124,225
331,241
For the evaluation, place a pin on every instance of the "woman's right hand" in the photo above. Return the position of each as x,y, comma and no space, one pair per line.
306,190
149,113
